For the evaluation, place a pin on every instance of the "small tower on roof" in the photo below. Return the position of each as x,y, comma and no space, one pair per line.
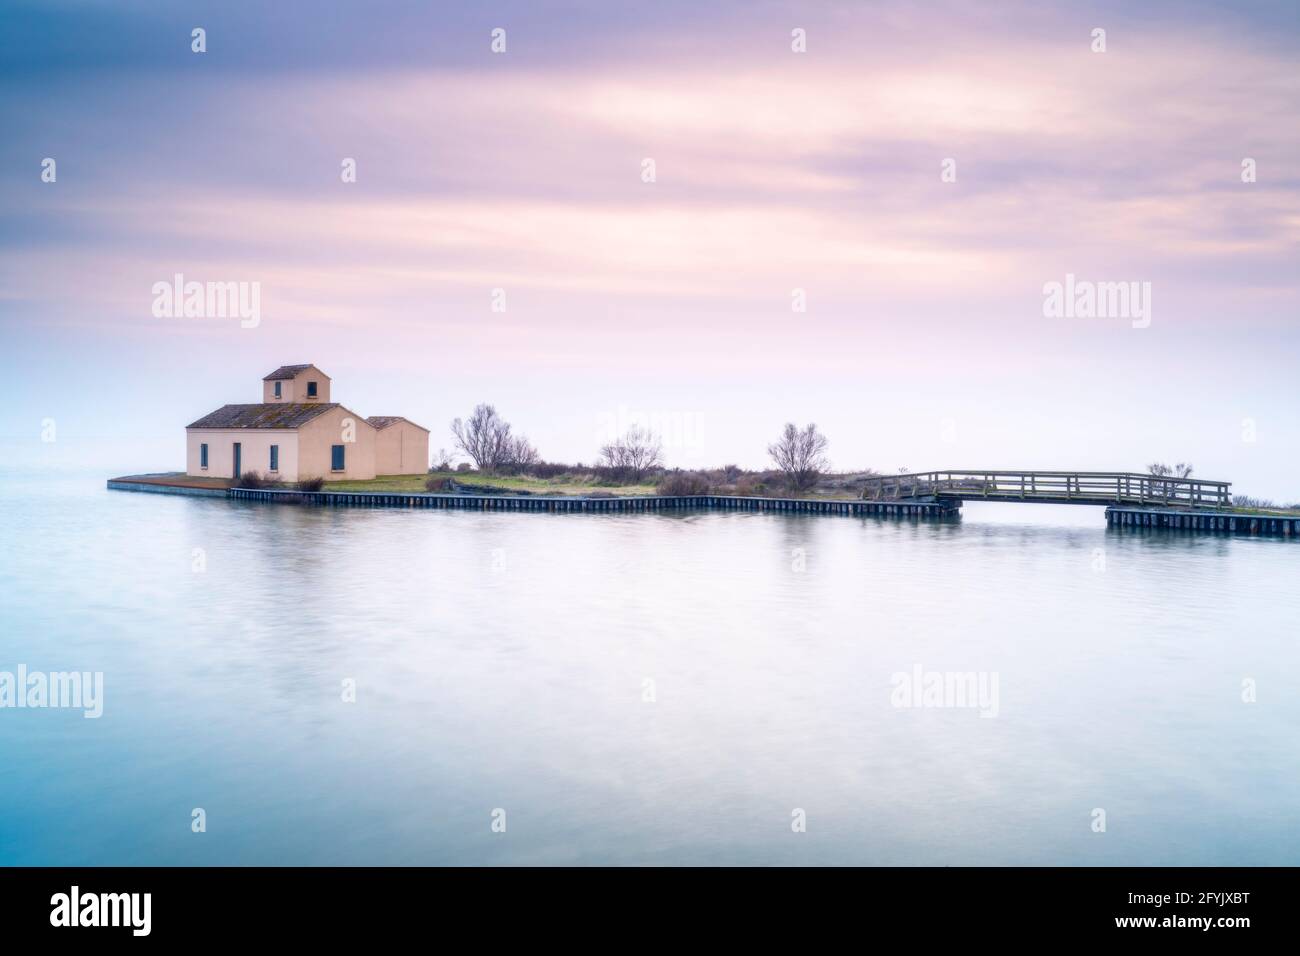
296,384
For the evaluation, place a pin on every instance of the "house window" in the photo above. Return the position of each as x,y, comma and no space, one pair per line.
277,389
311,389
336,457
203,455
275,457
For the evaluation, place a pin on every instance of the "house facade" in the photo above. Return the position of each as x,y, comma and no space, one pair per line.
297,432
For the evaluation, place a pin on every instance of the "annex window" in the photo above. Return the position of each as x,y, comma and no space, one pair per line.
311,389
277,389
275,457
336,457
203,455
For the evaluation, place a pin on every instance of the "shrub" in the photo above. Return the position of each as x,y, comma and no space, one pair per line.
433,483
551,469
251,479
311,484
630,457
1246,501
683,483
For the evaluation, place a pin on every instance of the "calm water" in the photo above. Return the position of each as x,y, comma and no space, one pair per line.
501,660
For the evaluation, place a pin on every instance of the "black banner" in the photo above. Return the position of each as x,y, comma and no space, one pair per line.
368,904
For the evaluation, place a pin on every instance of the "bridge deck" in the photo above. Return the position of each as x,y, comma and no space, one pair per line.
1053,487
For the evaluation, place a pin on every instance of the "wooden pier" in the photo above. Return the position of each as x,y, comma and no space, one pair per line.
940,507
576,505
1203,521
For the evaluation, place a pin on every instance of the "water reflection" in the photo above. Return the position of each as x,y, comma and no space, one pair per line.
501,660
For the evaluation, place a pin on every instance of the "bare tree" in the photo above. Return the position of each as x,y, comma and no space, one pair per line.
801,455
636,453
518,454
480,436
487,439
1159,469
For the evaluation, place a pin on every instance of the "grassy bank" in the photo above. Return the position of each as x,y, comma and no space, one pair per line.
177,479
1266,512
579,484
509,484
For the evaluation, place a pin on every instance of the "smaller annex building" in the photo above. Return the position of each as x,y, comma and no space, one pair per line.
296,432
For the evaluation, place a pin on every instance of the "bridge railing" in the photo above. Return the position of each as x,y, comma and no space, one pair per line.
1101,487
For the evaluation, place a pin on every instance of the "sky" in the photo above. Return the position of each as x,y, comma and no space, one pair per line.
858,235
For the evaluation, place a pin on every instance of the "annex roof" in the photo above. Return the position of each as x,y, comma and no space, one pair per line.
383,421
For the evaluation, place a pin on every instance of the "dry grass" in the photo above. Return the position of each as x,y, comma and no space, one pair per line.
576,485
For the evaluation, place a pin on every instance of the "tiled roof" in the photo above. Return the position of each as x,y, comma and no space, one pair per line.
269,415
383,421
288,371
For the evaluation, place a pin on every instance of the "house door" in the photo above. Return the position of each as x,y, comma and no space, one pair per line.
238,460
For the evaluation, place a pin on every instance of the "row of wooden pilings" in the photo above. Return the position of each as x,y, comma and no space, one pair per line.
554,505
1202,521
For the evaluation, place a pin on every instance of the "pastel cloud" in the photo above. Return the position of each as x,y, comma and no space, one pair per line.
825,175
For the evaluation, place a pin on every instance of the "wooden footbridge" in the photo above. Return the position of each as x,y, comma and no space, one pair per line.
1053,487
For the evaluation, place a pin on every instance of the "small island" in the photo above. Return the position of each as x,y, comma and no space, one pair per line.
318,452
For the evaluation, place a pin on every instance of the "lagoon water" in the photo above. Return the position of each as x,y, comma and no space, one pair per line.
501,661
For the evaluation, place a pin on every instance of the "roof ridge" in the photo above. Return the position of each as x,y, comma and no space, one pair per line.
264,415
